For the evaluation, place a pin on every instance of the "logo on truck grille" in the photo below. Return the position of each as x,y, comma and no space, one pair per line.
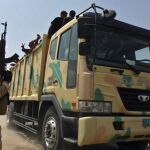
143,98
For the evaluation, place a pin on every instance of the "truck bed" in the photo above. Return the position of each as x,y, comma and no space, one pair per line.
28,74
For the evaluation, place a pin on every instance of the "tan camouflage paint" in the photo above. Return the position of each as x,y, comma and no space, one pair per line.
12,83
107,82
105,89
100,84
20,78
95,130
16,79
28,60
57,70
28,74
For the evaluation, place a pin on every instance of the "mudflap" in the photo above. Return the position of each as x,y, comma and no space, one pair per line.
108,146
70,146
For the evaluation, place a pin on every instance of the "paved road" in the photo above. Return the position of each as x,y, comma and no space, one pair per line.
17,139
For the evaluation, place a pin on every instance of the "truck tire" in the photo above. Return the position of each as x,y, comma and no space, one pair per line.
51,136
9,117
137,145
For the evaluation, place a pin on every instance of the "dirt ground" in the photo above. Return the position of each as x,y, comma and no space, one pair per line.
17,139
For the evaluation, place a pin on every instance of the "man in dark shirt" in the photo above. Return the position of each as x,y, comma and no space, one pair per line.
72,14
56,24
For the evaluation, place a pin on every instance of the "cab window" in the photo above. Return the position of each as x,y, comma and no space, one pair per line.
53,48
64,45
72,62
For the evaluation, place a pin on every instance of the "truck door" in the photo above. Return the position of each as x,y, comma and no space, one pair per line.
61,70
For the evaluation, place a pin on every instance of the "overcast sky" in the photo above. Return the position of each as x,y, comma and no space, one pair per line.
26,18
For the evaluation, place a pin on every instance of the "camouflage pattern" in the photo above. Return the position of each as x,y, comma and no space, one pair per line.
57,71
104,131
107,82
31,80
28,74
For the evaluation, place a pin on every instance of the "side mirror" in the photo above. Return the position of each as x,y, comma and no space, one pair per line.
84,48
85,30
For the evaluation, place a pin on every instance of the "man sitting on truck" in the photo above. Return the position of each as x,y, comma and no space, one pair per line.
32,45
34,42
57,23
72,14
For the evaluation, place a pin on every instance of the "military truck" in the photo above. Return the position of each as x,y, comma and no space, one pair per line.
87,85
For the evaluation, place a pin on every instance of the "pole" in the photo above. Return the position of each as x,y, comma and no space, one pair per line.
2,49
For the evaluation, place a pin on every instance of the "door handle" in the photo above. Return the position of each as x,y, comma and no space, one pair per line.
55,82
120,71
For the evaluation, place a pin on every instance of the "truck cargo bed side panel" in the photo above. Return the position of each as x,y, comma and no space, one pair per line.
29,74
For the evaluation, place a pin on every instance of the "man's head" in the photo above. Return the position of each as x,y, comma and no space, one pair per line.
72,14
63,14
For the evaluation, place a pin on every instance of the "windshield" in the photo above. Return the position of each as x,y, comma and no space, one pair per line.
118,47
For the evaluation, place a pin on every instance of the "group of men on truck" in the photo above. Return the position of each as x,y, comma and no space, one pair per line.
56,24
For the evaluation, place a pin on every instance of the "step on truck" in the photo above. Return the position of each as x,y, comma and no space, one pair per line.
87,85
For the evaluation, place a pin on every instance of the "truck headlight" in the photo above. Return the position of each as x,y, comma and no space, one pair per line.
95,106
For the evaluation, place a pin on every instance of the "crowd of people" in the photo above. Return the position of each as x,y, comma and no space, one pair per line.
56,24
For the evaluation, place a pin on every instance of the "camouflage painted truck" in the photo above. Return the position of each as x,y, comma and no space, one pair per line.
87,85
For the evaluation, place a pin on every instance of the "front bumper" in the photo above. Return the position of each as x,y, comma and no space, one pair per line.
97,130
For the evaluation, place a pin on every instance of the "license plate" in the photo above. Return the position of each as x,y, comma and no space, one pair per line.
146,122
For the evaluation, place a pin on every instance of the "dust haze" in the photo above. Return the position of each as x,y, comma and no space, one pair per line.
17,138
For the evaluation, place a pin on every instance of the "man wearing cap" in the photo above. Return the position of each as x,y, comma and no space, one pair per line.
56,24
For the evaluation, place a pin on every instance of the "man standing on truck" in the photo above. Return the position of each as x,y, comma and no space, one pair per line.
72,14
57,23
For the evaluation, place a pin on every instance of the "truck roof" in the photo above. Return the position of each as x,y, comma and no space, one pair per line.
89,19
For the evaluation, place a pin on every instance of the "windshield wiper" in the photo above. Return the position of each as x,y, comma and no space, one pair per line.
132,67
142,60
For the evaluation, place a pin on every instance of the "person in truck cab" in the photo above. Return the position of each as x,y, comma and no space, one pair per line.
57,23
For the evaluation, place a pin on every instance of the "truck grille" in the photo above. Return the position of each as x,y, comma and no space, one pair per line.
135,99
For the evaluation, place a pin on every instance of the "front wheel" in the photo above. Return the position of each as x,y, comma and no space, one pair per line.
137,145
51,135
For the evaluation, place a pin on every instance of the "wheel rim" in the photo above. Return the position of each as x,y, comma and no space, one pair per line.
50,132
